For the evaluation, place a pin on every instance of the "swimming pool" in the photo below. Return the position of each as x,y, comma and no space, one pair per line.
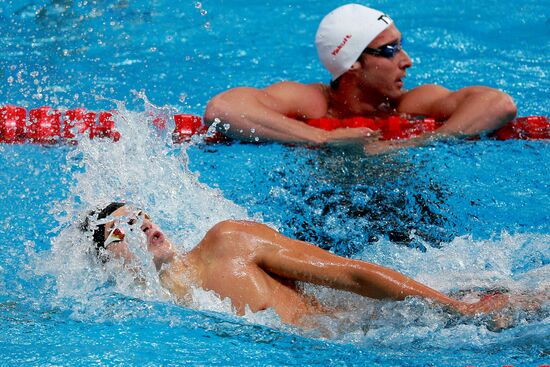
454,215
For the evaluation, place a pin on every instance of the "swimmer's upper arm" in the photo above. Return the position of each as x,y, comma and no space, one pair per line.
270,114
287,98
230,102
428,100
440,103
302,261
299,100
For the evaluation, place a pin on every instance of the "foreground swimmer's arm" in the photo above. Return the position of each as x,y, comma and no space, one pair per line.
263,115
302,261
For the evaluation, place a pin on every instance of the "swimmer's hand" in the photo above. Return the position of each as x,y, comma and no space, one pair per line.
380,147
386,146
357,135
487,304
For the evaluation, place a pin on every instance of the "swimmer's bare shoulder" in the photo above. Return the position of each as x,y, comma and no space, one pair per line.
302,100
287,98
422,100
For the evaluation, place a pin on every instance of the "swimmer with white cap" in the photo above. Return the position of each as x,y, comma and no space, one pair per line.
363,50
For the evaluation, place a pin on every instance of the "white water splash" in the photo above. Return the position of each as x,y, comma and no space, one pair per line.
145,169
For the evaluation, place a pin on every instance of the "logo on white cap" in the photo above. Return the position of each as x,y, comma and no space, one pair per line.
345,32
339,47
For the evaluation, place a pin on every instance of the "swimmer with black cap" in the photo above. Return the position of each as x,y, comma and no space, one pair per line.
257,267
363,50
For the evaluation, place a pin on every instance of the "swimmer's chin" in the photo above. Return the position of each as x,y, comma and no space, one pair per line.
163,254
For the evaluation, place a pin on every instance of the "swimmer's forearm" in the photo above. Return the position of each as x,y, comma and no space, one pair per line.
481,110
271,126
240,115
376,281
302,261
381,282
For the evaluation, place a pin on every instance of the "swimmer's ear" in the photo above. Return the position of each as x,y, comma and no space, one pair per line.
85,225
355,66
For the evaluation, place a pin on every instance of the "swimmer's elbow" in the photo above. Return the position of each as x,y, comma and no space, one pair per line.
502,109
228,106
506,107
215,109
501,105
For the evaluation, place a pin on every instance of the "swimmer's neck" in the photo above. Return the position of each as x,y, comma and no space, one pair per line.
179,275
351,99
185,263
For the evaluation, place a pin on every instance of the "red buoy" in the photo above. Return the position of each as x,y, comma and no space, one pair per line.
77,121
12,124
44,125
106,127
187,125
47,125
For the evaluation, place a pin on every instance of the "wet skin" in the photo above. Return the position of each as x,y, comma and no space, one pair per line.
257,267
372,87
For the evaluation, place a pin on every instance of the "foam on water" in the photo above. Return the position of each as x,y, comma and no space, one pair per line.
145,170
517,263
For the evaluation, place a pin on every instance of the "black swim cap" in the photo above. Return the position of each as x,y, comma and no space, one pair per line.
99,229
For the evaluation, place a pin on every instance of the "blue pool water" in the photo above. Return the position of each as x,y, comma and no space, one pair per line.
456,215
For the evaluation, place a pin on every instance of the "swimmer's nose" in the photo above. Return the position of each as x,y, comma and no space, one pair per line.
404,61
146,226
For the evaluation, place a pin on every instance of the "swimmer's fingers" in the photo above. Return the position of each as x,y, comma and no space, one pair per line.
380,147
368,134
359,135
487,304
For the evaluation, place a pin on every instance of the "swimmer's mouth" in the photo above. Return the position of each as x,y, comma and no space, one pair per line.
399,80
156,238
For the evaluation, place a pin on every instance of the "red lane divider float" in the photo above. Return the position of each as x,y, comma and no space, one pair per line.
188,125
395,127
46,125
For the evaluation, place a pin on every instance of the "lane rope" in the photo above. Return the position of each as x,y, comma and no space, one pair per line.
47,125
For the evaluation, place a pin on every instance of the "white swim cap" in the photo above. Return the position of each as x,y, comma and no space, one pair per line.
345,32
